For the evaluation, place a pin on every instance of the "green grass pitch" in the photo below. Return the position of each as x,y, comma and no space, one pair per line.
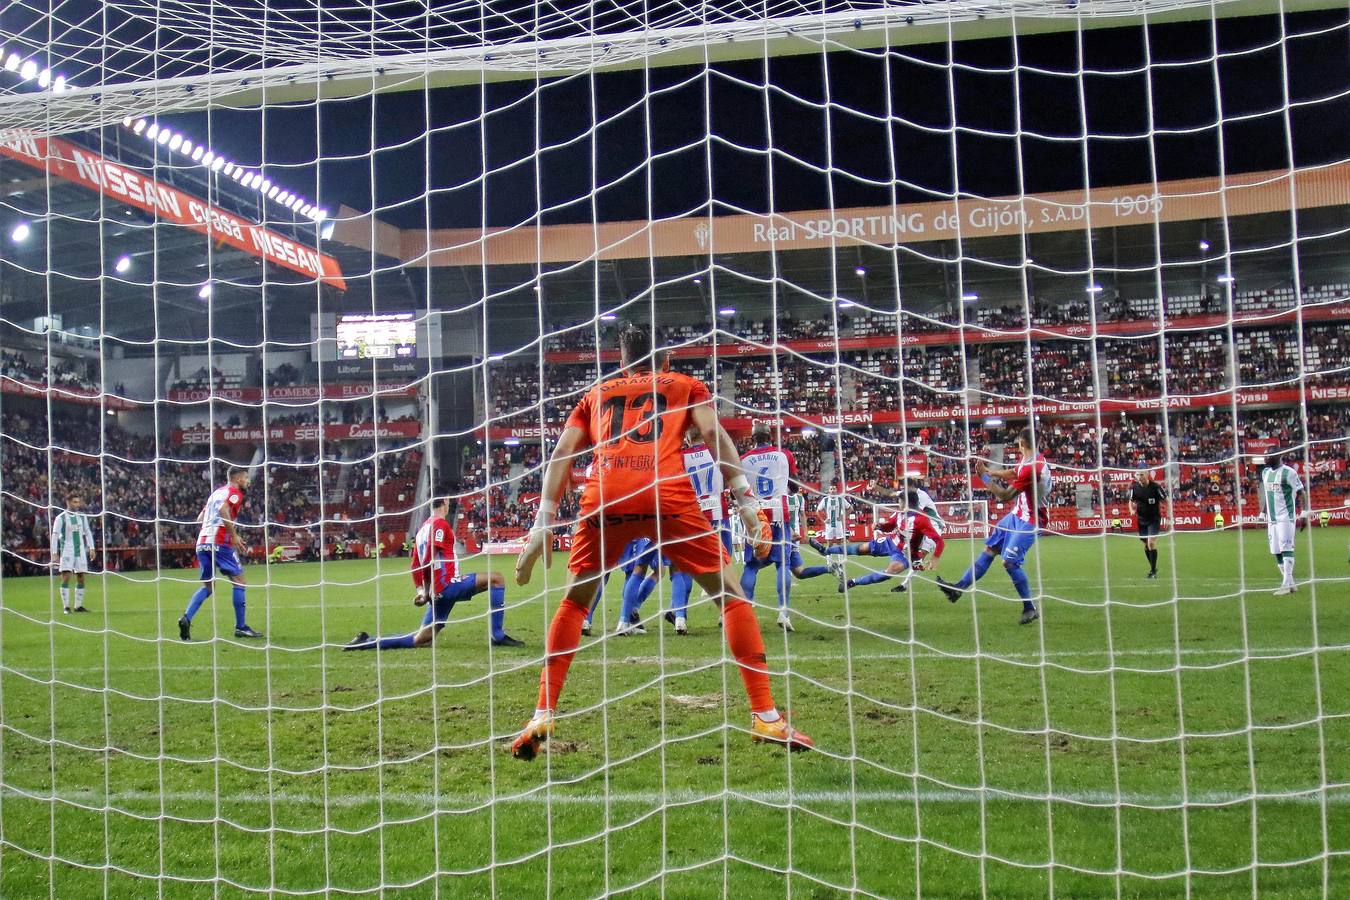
960,754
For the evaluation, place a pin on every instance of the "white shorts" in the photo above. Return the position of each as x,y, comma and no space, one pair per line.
1281,537
72,563
836,533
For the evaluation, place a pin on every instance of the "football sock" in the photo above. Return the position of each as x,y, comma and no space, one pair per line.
399,642
497,603
749,575
681,586
871,578
559,647
632,597
65,598
976,571
79,597
237,595
783,581
196,602
648,585
1152,559
1021,582
813,571
909,573
747,646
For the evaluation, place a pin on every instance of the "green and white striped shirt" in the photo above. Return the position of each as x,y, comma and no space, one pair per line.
1279,494
835,507
71,535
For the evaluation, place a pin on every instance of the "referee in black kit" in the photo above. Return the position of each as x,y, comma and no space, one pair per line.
1146,505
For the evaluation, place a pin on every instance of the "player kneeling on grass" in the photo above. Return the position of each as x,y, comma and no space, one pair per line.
634,424
907,536
216,545
72,550
434,574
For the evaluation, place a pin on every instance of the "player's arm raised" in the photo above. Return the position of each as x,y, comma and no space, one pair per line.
733,475
557,474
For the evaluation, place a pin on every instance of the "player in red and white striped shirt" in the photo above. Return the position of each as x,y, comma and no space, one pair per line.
216,543
1027,485
435,575
909,538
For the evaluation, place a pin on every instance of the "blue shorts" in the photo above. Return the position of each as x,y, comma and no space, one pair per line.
1012,538
781,552
461,588
213,558
886,547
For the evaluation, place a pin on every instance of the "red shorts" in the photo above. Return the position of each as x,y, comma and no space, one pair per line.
685,538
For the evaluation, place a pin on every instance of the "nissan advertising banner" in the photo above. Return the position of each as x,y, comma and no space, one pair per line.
62,159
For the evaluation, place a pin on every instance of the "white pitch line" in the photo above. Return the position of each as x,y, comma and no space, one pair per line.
591,656
562,796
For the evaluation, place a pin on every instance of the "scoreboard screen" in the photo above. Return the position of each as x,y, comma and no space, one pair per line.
376,336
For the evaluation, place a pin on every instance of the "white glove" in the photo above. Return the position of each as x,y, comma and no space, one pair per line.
540,542
420,598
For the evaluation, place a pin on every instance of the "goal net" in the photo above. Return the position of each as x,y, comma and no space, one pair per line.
297,302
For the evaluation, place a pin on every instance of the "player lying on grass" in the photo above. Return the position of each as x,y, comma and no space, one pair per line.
635,422
438,584
216,544
1027,485
908,539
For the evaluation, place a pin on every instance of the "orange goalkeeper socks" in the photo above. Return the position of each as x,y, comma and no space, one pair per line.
564,635
747,645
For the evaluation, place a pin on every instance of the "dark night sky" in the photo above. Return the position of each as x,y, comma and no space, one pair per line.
1114,104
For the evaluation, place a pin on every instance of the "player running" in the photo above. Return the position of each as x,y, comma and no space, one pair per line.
1146,505
774,473
1027,486
72,550
436,578
1278,500
634,422
216,552
909,539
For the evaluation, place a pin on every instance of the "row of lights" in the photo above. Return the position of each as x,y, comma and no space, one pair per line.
23,230
29,70
200,153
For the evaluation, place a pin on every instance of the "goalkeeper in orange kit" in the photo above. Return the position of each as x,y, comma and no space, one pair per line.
638,487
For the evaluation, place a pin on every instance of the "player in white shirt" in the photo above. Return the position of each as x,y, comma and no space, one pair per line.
72,550
773,472
834,507
706,476
1280,487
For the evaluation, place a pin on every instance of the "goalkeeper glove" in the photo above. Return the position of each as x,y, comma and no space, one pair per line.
758,532
539,543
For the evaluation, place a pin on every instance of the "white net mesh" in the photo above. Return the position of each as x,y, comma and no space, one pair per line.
353,258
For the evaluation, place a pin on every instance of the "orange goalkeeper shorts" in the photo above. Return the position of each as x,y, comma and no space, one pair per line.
685,538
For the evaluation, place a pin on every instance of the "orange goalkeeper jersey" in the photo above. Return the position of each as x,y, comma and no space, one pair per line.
636,423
